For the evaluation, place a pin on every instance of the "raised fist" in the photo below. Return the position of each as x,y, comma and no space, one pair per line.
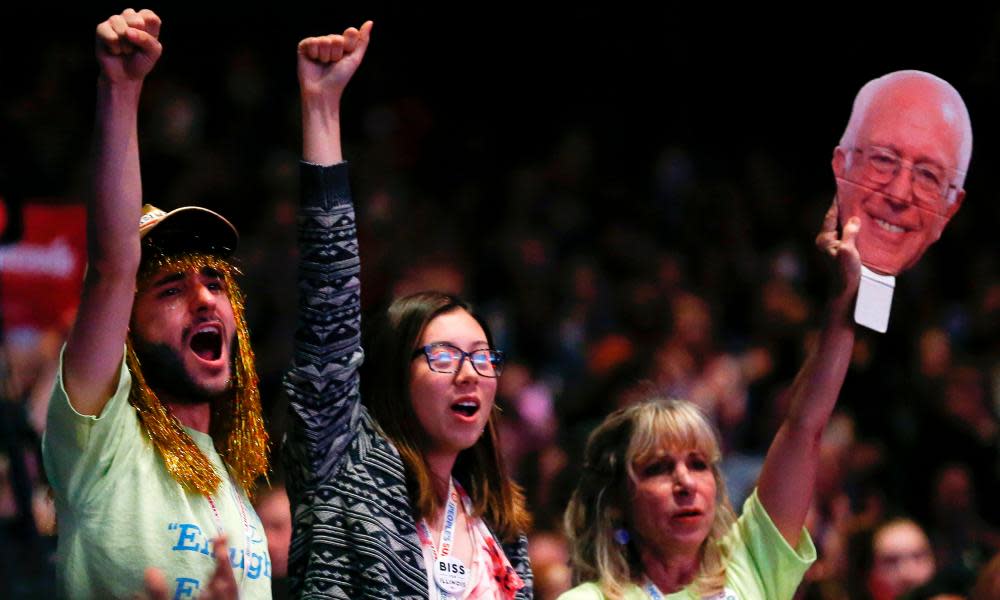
128,45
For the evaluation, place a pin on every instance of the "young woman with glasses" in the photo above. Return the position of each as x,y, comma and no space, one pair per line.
398,489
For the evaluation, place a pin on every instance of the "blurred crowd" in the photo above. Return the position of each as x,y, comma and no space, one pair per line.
601,272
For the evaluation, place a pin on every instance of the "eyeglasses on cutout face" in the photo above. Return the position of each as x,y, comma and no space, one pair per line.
443,357
932,182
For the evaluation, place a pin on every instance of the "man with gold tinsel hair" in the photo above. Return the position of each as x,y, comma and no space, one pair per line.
154,433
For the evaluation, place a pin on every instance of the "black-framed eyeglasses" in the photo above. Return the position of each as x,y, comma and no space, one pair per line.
443,357
932,182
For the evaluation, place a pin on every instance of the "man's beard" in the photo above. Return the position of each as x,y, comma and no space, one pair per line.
165,373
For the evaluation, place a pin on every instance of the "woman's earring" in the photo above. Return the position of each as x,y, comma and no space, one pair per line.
621,536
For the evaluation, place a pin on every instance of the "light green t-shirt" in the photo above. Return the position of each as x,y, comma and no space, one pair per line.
119,511
762,566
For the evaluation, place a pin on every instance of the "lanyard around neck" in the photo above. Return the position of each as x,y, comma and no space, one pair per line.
655,593
450,575
652,590
447,540
217,518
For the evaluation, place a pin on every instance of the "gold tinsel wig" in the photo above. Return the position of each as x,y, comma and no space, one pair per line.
237,425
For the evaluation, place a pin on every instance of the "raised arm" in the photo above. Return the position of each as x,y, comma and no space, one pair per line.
326,64
788,478
127,49
322,383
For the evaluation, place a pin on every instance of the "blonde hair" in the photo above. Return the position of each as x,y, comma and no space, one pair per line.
237,425
629,437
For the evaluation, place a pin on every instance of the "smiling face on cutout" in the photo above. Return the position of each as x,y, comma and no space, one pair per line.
452,408
183,330
900,166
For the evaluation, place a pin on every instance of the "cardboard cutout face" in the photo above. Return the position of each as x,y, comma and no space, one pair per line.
901,165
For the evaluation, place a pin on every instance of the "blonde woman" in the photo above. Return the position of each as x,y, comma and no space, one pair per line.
650,517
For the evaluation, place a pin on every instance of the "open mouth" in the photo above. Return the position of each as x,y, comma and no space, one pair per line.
206,343
466,408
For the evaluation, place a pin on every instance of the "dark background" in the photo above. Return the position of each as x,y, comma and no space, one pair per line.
513,77
518,141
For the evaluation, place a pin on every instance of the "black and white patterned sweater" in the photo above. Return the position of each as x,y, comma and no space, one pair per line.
354,534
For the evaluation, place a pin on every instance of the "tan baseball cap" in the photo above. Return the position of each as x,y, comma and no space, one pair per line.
188,228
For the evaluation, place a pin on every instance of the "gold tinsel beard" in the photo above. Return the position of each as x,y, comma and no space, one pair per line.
237,425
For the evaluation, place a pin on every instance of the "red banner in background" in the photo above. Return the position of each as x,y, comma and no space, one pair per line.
41,274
